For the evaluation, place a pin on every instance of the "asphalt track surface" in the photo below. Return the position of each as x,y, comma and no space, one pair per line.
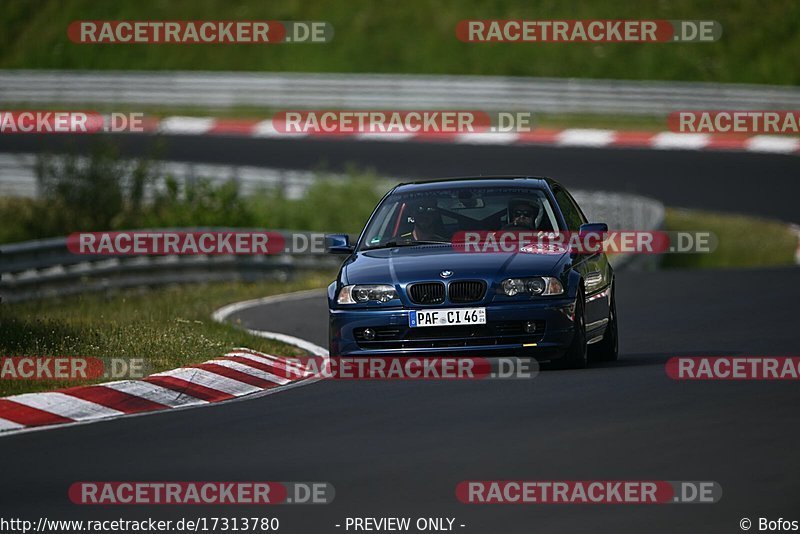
399,448
755,183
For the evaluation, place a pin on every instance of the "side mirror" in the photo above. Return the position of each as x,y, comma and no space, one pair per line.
588,233
593,228
339,244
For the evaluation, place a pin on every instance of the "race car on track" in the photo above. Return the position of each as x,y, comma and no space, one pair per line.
420,279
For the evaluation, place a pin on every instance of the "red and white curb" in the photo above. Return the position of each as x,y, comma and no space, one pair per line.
571,137
241,373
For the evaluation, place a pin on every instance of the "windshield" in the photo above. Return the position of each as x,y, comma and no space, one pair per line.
435,216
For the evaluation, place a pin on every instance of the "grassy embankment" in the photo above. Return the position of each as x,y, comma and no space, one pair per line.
758,45
167,328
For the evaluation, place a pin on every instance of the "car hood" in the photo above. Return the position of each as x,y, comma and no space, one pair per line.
407,264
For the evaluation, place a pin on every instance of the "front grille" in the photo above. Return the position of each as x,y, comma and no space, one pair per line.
467,291
426,293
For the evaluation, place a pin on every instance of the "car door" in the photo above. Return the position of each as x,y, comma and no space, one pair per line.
593,267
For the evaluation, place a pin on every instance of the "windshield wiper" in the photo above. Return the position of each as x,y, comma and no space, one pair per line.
411,243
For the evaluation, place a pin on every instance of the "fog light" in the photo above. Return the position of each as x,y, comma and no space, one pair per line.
529,327
369,334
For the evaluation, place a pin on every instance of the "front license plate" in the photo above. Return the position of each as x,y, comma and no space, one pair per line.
449,317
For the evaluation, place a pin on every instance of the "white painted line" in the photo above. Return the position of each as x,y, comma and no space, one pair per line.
226,311
487,138
65,405
155,393
266,128
773,143
211,380
671,140
258,373
388,136
585,137
186,125
316,350
5,424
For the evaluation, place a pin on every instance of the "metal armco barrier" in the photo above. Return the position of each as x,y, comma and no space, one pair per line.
42,268
387,91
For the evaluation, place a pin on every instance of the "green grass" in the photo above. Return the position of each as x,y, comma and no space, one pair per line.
168,327
743,241
645,123
759,42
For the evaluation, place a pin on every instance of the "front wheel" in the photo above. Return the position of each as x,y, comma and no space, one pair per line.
575,357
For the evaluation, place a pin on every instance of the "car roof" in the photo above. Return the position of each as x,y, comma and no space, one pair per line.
538,182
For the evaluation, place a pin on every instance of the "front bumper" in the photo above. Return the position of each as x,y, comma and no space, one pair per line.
503,335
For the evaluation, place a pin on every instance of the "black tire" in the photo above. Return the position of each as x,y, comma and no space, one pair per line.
576,355
607,349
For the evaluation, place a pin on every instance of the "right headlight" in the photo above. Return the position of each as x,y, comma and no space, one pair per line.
537,285
361,294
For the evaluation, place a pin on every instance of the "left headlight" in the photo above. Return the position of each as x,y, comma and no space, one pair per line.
360,294
538,285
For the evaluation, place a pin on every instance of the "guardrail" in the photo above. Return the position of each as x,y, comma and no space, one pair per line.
42,268
45,268
624,211
389,91
18,175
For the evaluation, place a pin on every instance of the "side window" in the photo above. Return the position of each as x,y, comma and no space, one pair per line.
576,207
570,210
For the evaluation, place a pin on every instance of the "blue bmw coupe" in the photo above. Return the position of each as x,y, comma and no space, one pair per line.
412,285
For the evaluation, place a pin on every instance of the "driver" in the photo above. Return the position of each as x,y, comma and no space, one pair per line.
522,215
427,221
